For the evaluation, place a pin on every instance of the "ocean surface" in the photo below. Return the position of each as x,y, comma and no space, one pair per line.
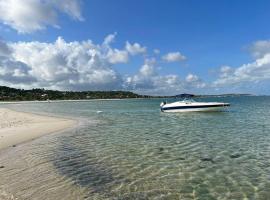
128,149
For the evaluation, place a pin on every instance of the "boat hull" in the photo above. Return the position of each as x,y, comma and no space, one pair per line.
198,108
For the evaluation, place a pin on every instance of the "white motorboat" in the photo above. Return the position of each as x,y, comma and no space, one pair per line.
192,106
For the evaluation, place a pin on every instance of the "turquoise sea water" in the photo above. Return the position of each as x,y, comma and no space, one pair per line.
131,150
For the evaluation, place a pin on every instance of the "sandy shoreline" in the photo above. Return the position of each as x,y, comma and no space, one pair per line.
18,127
60,101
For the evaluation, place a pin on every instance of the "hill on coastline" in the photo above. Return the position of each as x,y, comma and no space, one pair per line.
13,94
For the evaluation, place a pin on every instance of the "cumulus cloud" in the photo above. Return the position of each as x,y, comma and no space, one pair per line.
15,72
252,72
109,39
192,78
4,49
12,71
193,81
144,79
225,71
68,65
33,15
258,70
135,48
83,65
174,57
114,56
149,81
260,48
60,65
78,66
117,56
148,68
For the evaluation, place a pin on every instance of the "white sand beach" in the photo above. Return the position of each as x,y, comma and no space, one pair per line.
18,127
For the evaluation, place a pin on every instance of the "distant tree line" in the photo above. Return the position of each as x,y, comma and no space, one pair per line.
13,94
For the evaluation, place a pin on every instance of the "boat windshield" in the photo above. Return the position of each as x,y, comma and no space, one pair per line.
188,100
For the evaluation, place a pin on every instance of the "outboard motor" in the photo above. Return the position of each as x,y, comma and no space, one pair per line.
162,104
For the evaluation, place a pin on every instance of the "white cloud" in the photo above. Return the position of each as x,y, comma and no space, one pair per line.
174,57
260,48
15,72
117,56
192,78
67,65
121,56
253,72
193,81
33,15
135,48
148,68
143,80
12,71
114,56
83,65
225,71
70,7
109,39
71,65
149,81
4,49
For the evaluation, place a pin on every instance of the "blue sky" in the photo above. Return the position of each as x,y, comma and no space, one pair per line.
175,46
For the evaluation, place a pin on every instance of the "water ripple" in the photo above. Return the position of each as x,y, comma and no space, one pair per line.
132,151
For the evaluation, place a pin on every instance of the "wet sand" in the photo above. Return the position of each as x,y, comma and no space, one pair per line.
18,127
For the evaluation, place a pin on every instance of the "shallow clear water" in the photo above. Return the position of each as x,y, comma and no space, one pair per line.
131,150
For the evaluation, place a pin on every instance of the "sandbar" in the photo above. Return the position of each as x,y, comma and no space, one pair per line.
19,127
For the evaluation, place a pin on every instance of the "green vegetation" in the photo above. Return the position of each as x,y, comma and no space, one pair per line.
12,94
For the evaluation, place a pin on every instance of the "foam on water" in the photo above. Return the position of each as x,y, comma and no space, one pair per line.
133,151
